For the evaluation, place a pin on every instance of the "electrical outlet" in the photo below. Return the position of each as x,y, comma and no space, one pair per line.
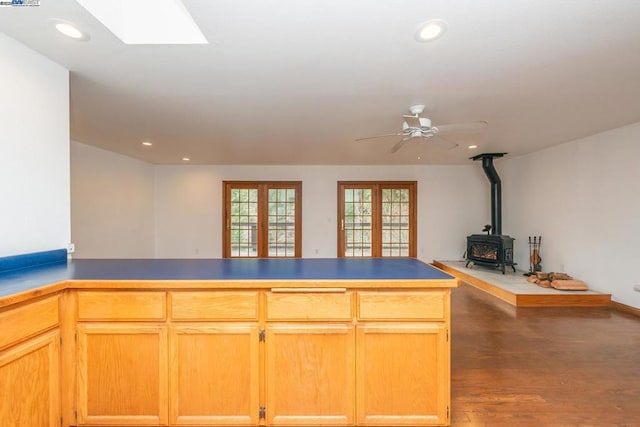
71,248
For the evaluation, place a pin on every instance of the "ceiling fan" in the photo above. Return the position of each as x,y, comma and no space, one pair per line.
415,126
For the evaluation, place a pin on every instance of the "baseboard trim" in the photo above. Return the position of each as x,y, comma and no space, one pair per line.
625,308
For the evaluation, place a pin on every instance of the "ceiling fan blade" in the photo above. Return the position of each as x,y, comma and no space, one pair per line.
462,127
379,136
400,144
412,121
443,143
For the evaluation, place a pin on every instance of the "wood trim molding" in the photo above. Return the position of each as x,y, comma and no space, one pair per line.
625,308
262,187
376,188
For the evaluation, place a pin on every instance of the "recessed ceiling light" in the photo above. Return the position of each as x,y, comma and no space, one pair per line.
186,159
147,143
473,146
69,30
430,30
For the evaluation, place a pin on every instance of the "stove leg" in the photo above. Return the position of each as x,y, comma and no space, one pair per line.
502,268
514,268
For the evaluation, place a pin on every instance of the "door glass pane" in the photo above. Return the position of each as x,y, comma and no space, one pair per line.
282,222
244,222
357,222
395,222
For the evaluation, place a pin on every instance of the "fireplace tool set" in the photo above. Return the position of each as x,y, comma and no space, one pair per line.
534,255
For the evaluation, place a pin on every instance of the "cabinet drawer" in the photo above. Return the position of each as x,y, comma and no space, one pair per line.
214,305
304,305
401,305
126,305
28,320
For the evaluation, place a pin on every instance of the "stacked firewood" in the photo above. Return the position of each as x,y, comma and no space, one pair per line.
561,281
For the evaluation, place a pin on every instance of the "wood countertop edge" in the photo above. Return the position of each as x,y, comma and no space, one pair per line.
261,284
33,293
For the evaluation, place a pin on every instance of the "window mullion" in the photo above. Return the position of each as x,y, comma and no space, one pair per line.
341,221
263,211
376,221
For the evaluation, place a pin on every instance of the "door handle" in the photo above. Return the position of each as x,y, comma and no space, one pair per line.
308,290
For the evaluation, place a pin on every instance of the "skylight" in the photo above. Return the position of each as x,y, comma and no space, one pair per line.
146,21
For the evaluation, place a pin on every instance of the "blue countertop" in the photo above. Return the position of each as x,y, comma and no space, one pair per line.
25,279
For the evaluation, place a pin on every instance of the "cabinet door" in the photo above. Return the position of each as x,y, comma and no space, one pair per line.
29,383
122,374
309,374
213,375
402,374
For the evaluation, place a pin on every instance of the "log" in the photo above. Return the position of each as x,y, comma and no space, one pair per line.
544,283
559,276
570,285
542,276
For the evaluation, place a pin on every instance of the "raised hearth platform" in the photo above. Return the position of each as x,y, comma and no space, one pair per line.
514,288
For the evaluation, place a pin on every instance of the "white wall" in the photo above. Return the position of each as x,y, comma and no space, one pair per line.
188,205
34,151
111,204
582,197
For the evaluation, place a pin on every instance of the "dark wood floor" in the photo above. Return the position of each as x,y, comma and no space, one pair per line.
542,366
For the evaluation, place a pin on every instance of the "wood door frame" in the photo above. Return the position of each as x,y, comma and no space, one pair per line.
263,188
376,213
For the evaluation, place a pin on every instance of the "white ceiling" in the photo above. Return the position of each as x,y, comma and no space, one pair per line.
296,81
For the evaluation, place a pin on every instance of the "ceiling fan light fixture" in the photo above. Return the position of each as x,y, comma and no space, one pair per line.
430,30
416,127
425,123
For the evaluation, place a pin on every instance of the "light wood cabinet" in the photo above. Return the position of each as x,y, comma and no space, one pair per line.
309,374
122,374
214,374
121,306
122,358
333,304
30,364
214,369
207,306
403,306
28,320
403,362
309,357
402,374
206,357
30,382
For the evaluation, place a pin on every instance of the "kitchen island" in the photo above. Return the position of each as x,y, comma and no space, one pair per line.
225,342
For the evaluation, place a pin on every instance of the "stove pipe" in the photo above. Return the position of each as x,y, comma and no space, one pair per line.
496,189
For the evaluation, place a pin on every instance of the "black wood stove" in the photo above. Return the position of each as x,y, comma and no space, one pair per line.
495,249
